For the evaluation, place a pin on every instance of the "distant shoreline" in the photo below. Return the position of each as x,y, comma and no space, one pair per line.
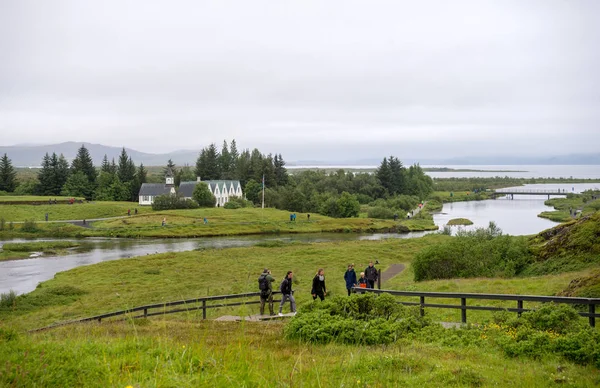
373,168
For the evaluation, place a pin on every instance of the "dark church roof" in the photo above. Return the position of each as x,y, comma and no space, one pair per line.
154,189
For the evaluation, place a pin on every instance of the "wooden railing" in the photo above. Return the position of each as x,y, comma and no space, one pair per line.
203,303
463,306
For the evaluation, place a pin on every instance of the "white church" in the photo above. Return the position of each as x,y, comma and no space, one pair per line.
223,190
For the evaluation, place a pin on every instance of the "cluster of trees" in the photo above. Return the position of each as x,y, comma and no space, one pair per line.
114,182
392,186
245,166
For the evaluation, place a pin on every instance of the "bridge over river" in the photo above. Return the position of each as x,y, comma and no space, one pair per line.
511,193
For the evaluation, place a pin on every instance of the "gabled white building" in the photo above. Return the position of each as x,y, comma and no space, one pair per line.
149,191
223,190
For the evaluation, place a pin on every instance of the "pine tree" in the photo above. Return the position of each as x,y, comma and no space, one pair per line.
61,173
170,165
83,164
126,168
105,165
113,167
233,156
281,175
46,177
225,162
8,175
384,175
207,164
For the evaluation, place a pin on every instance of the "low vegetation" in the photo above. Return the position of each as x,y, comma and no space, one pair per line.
573,206
11,251
459,221
482,252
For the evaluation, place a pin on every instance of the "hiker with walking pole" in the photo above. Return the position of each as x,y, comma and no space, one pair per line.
266,291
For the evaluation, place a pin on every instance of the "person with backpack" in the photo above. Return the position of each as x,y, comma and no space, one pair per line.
350,278
287,293
266,291
372,275
318,285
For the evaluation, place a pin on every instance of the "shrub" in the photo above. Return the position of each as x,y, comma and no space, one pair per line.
482,252
232,205
29,226
203,196
380,212
169,202
8,299
359,319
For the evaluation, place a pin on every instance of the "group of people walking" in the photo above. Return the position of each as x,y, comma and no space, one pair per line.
367,279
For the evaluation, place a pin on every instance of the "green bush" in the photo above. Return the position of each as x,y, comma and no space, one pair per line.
29,226
359,319
482,252
8,299
232,205
169,202
380,212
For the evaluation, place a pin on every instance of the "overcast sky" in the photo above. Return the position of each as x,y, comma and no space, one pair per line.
324,79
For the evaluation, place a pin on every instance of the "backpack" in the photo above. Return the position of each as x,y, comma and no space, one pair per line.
263,283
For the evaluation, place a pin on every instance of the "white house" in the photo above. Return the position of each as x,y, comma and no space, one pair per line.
149,191
223,190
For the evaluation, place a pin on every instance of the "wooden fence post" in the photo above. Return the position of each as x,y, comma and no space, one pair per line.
463,310
422,307
592,310
519,306
204,309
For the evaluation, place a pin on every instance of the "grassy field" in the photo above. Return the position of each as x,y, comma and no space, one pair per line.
33,198
564,206
180,350
76,211
190,222
188,353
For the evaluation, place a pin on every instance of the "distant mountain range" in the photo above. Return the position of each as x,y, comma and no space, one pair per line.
31,156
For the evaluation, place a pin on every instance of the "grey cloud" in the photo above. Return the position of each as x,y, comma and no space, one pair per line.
302,78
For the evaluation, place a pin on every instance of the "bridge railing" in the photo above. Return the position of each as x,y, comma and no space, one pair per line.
464,297
533,191
204,303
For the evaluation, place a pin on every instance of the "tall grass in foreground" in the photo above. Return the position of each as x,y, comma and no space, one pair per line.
187,353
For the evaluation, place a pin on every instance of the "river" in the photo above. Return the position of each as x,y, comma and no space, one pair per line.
515,217
23,276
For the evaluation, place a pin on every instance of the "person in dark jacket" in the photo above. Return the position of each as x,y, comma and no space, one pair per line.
287,293
350,278
318,285
266,295
371,274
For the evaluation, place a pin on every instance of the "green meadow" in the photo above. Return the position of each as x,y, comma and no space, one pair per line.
182,350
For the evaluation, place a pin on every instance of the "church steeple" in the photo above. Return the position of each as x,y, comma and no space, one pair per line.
169,178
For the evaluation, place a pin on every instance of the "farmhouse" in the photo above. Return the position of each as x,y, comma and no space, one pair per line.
223,190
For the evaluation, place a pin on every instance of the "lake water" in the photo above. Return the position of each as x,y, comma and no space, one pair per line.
516,217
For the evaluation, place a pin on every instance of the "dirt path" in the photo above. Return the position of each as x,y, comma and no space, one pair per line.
392,271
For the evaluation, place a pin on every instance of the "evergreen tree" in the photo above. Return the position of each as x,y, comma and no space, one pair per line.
225,162
233,156
126,168
170,165
8,175
61,173
397,174
243,167
113,167
83,163
268,171
383,175
77,185
105,165
255,168
207,164
281,175
141,176
46,177
185,174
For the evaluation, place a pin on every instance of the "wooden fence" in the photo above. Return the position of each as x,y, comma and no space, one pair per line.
463,306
